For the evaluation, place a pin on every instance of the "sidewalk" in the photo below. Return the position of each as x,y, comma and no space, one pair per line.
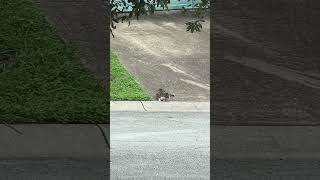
53,152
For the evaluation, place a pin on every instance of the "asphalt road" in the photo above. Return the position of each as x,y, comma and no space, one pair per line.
149,145
53,152
265,169
159,52
265,153
53,168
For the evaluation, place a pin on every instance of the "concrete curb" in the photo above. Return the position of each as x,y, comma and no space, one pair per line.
156,106
53,141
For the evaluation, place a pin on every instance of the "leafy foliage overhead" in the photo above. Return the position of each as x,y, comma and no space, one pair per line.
124,10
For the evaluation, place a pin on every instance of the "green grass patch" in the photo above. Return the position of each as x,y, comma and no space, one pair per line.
41,80
122,85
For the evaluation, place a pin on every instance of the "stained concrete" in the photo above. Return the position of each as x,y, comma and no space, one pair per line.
266,66
159,53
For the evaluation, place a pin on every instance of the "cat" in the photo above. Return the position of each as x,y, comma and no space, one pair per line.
162,95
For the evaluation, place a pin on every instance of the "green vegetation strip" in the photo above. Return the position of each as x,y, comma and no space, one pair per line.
41,80
122,85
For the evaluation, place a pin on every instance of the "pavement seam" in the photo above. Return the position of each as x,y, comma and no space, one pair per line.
195,106
275,143
104,136
12,128
143,106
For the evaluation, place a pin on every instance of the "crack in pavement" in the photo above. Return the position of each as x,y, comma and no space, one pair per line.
143,106
104,135
12,128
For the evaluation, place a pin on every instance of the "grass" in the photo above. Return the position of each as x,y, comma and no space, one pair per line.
41,80
122,85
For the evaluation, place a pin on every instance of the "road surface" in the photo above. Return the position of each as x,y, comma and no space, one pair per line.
265,153
53,152
40,168
153,145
